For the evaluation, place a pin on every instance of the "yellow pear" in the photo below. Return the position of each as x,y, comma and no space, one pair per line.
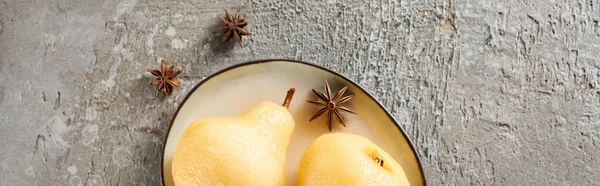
249,149
348,159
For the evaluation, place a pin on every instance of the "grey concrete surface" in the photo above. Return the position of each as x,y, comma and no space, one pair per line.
501,92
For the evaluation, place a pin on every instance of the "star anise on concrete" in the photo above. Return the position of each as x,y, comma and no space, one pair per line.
166,77
234,27
331,104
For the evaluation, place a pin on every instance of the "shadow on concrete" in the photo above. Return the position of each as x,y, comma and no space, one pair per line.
214,40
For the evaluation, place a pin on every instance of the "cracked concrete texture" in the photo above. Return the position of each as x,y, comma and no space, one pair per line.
490,92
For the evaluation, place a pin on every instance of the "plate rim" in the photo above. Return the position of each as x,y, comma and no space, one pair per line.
253,62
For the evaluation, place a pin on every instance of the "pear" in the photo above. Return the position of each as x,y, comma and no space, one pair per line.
249,149
348,159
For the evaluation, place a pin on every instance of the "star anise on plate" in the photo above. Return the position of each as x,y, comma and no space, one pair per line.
331,104
166,77
234,27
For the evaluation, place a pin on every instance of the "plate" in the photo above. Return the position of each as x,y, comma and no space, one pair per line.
236,89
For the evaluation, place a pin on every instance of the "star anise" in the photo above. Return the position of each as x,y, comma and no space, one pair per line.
331,104
166,78
234,26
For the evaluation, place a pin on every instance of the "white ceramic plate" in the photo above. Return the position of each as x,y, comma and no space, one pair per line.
236,89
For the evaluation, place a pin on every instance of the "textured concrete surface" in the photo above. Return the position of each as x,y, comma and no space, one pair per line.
491,92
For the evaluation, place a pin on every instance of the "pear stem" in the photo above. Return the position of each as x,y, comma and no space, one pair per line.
288,98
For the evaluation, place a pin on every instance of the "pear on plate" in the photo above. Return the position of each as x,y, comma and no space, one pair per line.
249,149
348,159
